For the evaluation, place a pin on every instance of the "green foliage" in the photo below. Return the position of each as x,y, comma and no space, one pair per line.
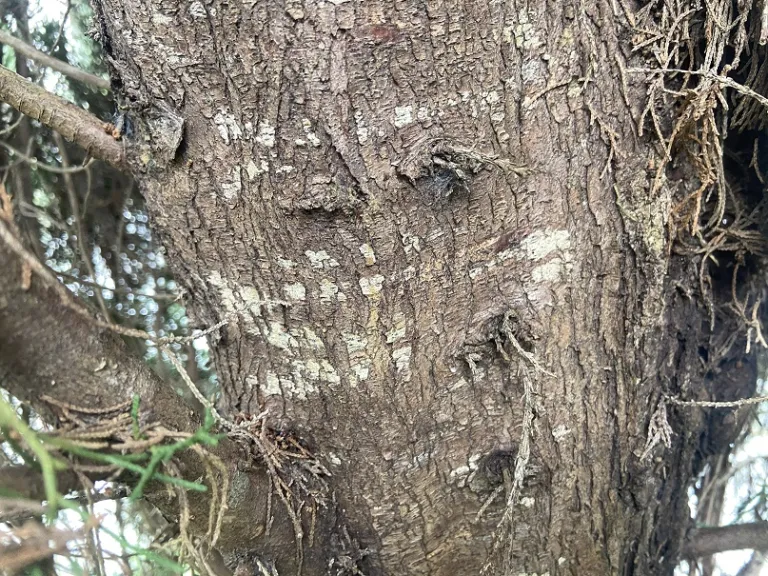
50,454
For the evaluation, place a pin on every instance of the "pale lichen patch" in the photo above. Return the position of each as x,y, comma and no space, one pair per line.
226,294
403,116
320,259
362,128
278,336
551,271
296,291
227,125
254,170
285,264
361,371
271,386
311,136
397,332
197,10
411,242
328,290
541,243
313,340
402,359
266,135
297,386
367,251
371,285
232,187
560,431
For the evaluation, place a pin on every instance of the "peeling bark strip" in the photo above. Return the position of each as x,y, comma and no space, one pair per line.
75,124
373,276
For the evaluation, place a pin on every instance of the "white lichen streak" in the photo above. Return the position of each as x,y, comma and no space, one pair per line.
300,363
403,116
359,362
402,359
362,128
231,189
367,251
266,135
227,125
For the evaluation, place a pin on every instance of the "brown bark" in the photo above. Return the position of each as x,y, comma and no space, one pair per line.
399,202
317,201
46,348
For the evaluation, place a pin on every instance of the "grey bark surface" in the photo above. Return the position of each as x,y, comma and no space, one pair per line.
350,186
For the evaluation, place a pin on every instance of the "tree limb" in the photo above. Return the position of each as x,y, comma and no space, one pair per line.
47,348
75,124
707,541
53,63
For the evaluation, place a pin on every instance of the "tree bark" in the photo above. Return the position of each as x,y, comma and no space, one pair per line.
434,224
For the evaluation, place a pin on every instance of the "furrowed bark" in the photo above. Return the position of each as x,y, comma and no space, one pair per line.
350,187
75,124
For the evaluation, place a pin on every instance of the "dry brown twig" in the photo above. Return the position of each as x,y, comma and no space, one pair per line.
514,484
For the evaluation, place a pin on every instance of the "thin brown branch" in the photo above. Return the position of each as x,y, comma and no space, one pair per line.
707,541
75,124
82,243
35,163
53,63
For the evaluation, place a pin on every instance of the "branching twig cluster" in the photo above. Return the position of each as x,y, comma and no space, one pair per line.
526,362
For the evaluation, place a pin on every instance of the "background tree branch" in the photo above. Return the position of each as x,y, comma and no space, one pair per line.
48,348
53,63
75,124
712,540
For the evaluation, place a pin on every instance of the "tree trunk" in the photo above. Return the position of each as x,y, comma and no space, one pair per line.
434,229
